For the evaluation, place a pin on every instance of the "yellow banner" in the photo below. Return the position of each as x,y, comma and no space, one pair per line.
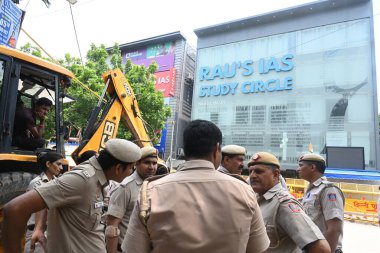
363,206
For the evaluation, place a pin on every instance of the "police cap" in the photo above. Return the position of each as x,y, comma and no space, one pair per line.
312,158
123,150
148,152
233,150
264,158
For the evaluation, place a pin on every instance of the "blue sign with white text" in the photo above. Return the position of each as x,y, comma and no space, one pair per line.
10,22
246,69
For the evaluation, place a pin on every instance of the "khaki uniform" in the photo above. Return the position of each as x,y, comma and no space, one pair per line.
123,200
36,182
288,226
75,202
322,202
197,209
223,170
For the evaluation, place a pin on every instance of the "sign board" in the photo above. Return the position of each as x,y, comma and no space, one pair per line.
162,54
345,157
165,82
10,22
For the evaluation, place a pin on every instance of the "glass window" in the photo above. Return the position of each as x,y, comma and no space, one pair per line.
2,68
312,86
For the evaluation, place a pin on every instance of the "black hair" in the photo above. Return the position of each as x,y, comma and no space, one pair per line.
321,167
228,155
161,170
48,156
199,138
106,160
85,156
44,101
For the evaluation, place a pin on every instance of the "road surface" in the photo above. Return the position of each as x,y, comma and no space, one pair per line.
361,238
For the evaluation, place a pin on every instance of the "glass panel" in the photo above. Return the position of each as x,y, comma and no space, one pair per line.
33,84
283,92
2,67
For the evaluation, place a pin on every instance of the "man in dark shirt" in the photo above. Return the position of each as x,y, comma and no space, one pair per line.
26,133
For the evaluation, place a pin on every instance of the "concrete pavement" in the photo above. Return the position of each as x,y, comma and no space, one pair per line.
361,238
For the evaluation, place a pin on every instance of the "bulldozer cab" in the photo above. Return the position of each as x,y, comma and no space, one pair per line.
23,80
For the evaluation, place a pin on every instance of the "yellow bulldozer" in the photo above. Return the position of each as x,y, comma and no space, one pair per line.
25,78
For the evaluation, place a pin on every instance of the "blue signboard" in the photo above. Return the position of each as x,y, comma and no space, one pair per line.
10,22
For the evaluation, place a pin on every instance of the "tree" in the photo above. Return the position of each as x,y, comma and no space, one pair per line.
151,102
142,80
30,49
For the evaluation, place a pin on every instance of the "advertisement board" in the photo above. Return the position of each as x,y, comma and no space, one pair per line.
162,54
165,82
10,22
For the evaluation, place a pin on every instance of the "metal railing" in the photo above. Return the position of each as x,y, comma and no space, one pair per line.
361,199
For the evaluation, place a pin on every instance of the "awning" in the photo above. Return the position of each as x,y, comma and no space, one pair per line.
351,174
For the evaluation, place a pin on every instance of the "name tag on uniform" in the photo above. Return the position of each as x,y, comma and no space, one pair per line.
99,204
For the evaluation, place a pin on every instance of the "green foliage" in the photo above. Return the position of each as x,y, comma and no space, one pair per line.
116,59
28,48
142,80
151,102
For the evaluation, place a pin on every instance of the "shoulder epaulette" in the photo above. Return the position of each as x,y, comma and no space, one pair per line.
127,181
237,177
152,178
327,183
144,202
284,196
330,184
86,172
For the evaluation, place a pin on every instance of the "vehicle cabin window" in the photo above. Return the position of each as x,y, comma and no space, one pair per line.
2,67
32,86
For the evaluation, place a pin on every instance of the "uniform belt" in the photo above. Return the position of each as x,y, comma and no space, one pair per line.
31,227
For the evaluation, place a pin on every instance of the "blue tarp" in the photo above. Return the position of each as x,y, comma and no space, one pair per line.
352,174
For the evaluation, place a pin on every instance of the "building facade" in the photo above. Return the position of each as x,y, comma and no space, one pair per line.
292,81
174,77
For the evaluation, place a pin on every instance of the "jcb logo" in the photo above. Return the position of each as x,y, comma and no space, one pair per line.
108,133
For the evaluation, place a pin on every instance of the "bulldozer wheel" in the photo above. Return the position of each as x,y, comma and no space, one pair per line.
13,184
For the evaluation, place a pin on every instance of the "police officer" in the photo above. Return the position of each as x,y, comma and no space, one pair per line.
323,201
232,159
197,209
50,163
75,202
124,198
288,226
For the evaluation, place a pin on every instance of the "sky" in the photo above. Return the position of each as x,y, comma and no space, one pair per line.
122,21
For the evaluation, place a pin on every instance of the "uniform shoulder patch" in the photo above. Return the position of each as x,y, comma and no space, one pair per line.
294,208
331,197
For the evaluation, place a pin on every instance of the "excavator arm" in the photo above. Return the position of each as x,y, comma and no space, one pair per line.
121,105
